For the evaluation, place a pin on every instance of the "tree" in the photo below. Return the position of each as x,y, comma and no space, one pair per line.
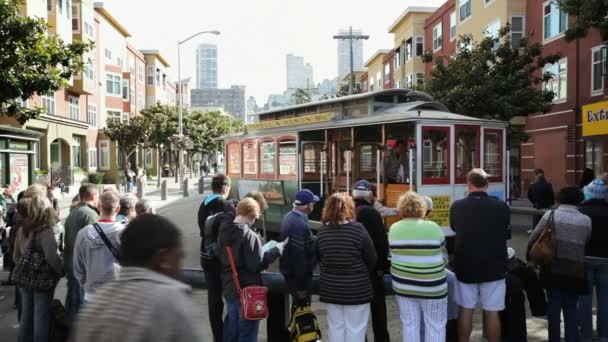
129,135
163,123
32,61
300,96
491,79
204,128
589,14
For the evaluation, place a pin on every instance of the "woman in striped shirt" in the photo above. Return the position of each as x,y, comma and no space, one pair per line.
418,271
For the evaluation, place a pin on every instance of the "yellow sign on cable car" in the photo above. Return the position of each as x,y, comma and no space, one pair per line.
300,120
441,210
595,119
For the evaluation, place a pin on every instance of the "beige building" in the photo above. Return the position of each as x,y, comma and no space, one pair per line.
157,81
408,31
485,17
375,70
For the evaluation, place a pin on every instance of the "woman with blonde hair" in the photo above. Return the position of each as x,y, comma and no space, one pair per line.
418,270
346,255
250,260
38,265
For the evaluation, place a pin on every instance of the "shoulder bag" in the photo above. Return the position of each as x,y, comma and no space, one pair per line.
543,249
253,299
33,272
106,241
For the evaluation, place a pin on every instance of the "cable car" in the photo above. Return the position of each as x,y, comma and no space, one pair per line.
398,139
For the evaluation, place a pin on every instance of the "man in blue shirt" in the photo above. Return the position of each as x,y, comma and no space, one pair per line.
297,261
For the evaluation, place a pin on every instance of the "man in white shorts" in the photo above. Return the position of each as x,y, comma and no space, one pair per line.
481,224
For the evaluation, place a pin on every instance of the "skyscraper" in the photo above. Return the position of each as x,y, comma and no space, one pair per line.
344,54
206,66
299,75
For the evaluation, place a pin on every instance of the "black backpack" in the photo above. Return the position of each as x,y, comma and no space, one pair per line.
304,326
210,248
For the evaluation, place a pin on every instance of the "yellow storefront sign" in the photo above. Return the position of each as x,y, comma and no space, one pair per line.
595,119
441,210
301,120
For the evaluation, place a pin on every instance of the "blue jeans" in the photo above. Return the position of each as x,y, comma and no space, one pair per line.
562,300
236,328
74,297
597,275
35,315
129,186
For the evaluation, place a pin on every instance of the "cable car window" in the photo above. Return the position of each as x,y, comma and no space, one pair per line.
267,156
436,155
287,158
312,158
492,154
367,158
234,158
249,158
467,151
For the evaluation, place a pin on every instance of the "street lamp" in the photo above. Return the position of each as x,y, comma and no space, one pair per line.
181,99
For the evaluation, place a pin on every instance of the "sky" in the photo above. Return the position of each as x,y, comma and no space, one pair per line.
256,35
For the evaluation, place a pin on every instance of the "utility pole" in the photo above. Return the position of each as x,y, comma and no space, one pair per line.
350,37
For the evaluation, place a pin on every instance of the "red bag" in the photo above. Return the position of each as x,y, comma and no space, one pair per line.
253,299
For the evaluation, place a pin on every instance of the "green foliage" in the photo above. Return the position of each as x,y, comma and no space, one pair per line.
162,122
32,61
97,178
490,79
300,96
205,128
129,135
588,14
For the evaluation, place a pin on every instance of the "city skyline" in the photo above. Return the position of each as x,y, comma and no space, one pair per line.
242,60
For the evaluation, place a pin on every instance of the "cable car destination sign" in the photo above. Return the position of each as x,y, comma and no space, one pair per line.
299,120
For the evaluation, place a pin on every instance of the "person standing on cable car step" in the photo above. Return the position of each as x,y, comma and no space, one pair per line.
371,219
210,216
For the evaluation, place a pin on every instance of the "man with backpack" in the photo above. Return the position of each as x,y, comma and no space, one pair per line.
213,210
371,219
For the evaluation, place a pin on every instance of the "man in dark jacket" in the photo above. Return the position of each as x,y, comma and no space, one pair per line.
297,262
212,209
481,223
371,219
541,194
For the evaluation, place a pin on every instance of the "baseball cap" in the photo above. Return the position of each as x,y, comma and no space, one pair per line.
305,196
363,185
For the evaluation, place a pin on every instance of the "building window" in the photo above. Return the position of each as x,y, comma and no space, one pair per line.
114,115
465,9
492,154
150,75
397,56
48,102
556,21
408,50
140,72
76,154
88,29
492,31
419,46
60,3
119,61
267,155
594,152
452,26
437,36
89,71
419,78
93,158
234,158
517,30
76,18
104,155
74,108
287,158
49,5
409,83
598,64
92,115
379,79
108,54
436,155
125,89
113,84
387,73
558,84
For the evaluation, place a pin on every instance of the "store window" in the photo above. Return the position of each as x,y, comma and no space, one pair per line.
267,157
234,158
76,153
492,154
287,158
435,155
250,161
467,151
594,153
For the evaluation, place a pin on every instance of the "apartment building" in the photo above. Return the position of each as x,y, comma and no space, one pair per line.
157,81
186,92
576,127
375,70
408,30
440,33
134,81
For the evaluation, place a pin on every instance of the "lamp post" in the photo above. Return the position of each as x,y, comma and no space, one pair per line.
181,99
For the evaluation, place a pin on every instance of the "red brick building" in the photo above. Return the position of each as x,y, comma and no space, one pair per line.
441,19
388,62
557,143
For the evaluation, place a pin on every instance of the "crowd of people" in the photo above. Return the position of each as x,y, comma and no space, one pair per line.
122,263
